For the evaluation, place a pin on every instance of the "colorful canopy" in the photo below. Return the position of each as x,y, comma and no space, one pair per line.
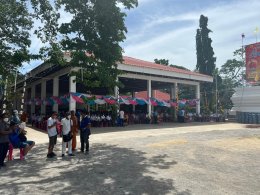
100,100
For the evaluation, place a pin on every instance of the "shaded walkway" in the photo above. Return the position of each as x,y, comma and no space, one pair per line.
107,170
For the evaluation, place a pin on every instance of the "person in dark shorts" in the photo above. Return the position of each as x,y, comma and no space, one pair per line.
18,138
85,132
52,133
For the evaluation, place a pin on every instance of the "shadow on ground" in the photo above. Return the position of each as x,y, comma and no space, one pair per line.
108,169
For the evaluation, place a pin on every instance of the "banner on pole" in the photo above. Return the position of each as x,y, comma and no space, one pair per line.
253,62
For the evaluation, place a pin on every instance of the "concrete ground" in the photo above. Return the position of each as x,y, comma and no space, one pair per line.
194,158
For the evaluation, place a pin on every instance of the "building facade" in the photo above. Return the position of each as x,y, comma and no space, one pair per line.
49,80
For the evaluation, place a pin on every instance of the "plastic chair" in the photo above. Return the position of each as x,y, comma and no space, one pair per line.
10,153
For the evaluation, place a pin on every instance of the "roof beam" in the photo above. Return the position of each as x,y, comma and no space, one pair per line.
160,79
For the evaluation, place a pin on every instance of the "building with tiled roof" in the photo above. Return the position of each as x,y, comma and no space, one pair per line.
138,76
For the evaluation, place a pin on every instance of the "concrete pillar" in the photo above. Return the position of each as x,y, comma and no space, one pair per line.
149,94
72,89
116,92
55,92
5,94
198,97
173,91
174,95
133,95
43,96
24,95
32,97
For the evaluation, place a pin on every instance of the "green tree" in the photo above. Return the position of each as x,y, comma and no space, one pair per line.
93,36
226,90
16,23
205,60
166,63
234,69
233,75
162,61
185,91
205,54
15,26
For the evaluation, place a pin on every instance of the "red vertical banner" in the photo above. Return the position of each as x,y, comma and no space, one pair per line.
253,62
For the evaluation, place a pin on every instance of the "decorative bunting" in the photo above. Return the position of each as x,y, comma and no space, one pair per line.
127,100
77,99
133,101
99,101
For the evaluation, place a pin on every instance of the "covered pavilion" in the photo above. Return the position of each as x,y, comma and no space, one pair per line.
48,80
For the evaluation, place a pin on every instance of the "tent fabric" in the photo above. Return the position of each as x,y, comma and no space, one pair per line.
77,99
99,101
127,100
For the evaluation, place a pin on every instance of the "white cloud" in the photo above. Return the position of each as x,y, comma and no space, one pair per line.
171,36
178,44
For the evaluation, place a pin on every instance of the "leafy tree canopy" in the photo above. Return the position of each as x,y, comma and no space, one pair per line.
93,36
205,61
205,54
96,28
15,24
232,74
166,63
234,69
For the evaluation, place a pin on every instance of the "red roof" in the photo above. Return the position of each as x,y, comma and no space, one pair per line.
156,94
141,63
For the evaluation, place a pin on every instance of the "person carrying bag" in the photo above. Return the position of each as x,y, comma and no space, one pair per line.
66,125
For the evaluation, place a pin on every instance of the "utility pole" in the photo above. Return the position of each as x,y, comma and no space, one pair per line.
23,95
15,82
216,79
5,94
216,93
242,52
256,33
242,38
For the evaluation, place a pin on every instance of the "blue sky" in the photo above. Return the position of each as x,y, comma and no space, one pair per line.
167,29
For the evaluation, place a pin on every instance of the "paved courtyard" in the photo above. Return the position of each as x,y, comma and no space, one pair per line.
194,158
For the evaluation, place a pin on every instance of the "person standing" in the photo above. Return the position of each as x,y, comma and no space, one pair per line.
182,116
33,118
52,133
66,127
108,118
24,118
74,129
155,117
121,117
15,117
85,132
4,139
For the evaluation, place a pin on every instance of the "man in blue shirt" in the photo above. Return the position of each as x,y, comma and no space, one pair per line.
85,132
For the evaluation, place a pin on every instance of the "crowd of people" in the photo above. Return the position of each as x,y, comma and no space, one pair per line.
98,119
68,124
13,133
106,119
